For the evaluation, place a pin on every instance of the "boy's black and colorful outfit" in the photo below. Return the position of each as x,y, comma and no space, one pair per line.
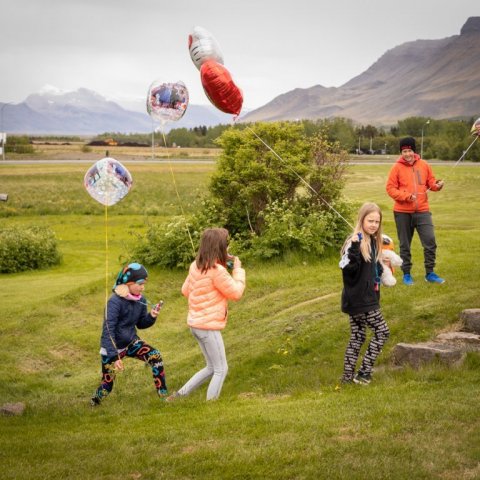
361,300
119,339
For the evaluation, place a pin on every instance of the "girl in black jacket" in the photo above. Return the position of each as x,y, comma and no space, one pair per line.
361,271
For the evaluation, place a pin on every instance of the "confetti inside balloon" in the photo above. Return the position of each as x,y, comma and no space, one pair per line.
167,101
108,181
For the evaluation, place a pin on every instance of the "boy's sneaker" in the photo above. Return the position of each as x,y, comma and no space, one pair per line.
163,393
407,279
362,378
94,401
432,277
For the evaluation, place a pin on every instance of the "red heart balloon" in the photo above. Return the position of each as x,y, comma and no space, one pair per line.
220,88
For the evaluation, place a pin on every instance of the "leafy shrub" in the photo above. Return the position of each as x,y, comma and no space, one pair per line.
29,248
289,227
276,195
167,244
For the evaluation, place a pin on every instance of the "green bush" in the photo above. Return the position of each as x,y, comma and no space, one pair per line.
29,248
277,195
168,244
289,227
18,144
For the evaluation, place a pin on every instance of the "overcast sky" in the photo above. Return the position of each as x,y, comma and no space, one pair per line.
118,47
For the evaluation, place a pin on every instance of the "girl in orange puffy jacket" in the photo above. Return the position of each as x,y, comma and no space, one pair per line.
208,288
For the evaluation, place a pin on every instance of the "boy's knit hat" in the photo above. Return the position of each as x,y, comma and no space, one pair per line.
407,142
132,273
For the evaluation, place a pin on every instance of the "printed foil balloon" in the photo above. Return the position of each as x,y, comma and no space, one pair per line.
220,88
476,127
203,46
167,102
108,181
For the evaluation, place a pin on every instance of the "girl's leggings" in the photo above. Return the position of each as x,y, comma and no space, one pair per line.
358,326
141,351
213,349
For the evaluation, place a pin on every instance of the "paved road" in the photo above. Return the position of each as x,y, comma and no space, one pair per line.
205,162
91,161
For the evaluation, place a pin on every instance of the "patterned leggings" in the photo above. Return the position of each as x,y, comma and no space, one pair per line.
358,326
141,351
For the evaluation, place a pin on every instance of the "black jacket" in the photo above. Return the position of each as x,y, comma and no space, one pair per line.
123,317
359,294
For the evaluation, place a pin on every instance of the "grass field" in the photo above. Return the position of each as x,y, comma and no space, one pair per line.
80,150
281,415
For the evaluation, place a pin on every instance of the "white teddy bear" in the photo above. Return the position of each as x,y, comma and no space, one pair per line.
393,260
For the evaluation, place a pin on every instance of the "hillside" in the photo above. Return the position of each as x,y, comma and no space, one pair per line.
430,78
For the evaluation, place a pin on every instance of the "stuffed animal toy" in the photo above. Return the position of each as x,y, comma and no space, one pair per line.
393,260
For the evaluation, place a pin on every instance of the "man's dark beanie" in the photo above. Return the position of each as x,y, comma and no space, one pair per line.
407,142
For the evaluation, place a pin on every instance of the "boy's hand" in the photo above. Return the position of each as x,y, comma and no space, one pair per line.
156,309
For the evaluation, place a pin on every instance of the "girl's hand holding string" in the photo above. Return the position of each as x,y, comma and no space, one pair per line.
357,238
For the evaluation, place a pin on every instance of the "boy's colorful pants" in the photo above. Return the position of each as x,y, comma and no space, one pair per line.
141,351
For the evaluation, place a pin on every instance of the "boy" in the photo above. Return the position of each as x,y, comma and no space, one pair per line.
126,311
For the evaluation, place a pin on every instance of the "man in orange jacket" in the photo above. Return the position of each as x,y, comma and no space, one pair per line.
408,183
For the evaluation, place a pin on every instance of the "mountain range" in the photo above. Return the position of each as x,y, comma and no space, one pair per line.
428,78
85,112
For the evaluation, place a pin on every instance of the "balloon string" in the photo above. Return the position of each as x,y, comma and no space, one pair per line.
459,160
178,195
106,260
106,275
302,180
465,152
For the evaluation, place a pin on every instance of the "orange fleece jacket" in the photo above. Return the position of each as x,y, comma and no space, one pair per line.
405,180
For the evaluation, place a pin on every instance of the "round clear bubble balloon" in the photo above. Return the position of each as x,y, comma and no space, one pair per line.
108,181
167,102
203,46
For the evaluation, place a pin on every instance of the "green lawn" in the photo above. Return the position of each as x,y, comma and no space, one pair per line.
281,414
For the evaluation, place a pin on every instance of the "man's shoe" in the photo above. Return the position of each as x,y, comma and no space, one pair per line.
432,277
407,279
362,378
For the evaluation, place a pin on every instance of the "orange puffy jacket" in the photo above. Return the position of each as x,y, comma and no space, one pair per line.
405,180
208,294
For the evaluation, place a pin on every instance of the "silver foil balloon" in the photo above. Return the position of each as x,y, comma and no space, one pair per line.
203,46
